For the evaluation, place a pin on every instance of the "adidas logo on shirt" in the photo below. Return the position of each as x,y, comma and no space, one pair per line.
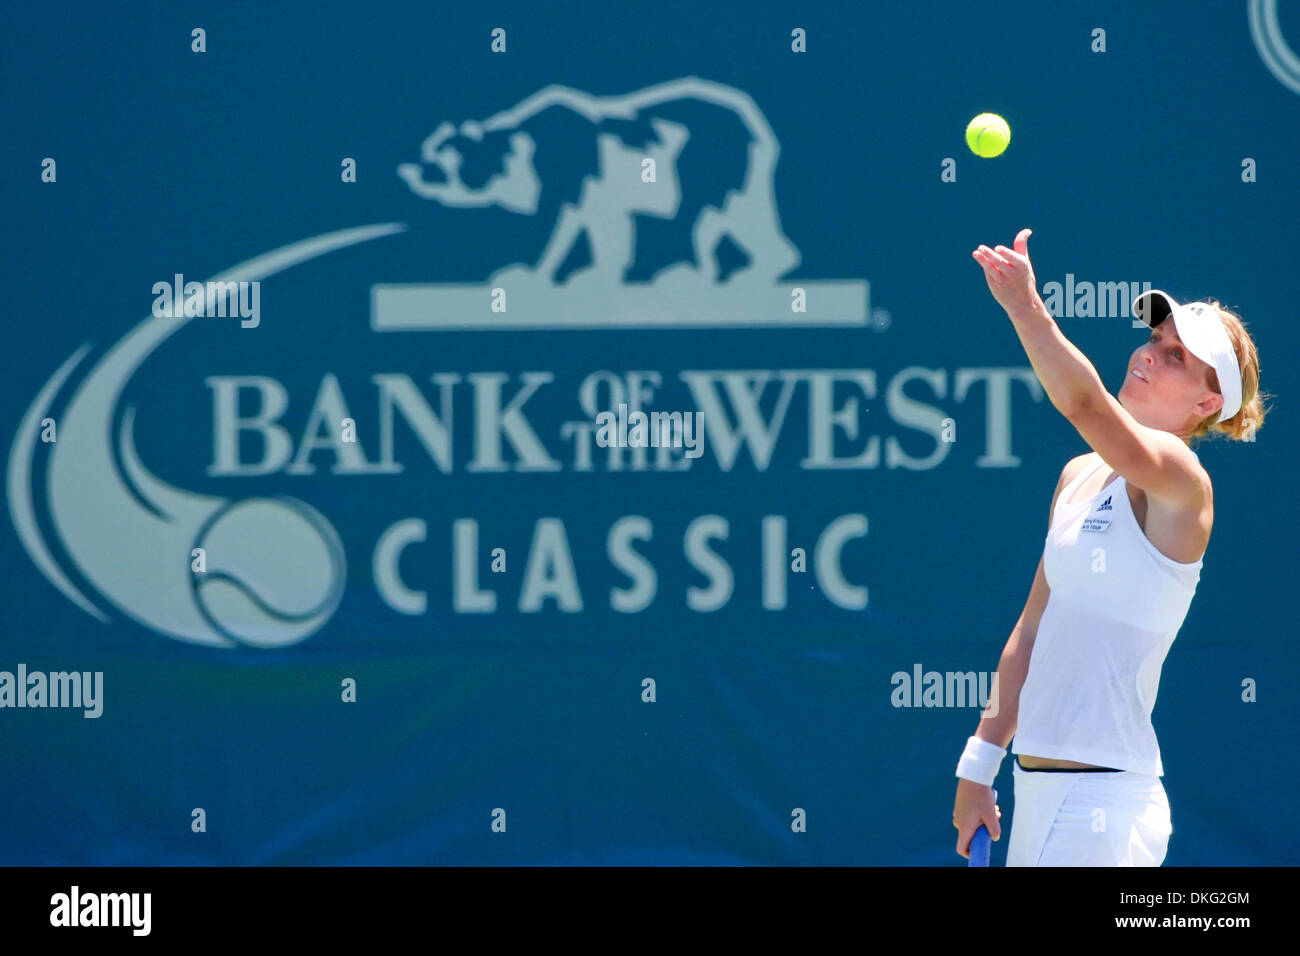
1096,523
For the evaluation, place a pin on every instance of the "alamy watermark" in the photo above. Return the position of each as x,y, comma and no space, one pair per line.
56,689
945,689
181,299
1087,300
75,908
651,430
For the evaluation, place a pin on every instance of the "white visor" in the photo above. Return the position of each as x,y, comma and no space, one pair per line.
1201,330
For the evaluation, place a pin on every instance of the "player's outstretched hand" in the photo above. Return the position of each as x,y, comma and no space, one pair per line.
974,805
1009,274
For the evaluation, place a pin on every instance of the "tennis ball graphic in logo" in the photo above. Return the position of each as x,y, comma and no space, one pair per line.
275,571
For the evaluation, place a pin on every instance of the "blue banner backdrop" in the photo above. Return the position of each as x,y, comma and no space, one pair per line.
363,582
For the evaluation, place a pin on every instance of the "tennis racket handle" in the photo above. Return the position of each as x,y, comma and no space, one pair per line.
981,843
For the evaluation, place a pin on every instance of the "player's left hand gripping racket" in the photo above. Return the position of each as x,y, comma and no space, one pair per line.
981,843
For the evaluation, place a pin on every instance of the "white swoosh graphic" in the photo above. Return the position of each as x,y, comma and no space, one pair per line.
89,501
1272,46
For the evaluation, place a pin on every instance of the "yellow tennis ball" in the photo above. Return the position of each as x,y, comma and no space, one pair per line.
987,135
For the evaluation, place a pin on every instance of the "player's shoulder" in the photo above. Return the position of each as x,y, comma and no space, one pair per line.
1072,469
1076,465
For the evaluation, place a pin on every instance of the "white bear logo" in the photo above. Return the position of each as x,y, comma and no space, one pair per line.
604,185
580,162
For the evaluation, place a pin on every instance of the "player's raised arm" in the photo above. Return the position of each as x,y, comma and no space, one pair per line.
1152,459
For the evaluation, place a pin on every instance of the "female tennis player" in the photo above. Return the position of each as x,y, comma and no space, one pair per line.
1128,526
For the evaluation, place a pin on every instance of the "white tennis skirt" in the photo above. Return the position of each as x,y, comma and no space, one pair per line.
1116,818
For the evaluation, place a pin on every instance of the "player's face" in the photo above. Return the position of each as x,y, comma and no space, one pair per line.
1165,381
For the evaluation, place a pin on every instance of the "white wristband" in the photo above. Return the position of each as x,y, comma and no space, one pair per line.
980,761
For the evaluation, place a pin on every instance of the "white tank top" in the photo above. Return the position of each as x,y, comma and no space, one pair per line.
1116,605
